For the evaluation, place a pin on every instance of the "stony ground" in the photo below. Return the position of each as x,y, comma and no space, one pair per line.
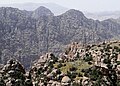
90,65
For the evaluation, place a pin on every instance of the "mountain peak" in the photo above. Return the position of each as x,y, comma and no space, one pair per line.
42,11
74,13
42,8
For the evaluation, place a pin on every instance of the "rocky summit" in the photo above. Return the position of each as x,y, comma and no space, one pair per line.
25,35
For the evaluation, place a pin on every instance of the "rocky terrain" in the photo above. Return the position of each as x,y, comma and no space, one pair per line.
90,65
25,35
13,74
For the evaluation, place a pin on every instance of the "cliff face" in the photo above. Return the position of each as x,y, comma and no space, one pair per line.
17,34
27,34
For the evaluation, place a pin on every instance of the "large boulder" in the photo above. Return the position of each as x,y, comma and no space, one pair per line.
66,79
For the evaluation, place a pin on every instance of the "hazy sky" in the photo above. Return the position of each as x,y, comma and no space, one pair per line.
83,5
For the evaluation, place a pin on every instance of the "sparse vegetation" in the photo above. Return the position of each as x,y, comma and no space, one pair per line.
24,35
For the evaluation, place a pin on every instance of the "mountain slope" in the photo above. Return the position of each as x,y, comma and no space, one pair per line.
27,34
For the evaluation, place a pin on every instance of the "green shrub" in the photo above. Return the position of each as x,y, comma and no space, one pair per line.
118,62
88,58
73,69
59,65
80,75
107,61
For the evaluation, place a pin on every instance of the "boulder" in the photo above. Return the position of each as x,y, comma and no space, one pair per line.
66,79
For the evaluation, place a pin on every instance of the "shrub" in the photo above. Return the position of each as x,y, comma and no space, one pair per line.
80,75
118,62
116,47
107,61
73,69
101,50
90,63
99,45
73,75
88,58
83,70
59,65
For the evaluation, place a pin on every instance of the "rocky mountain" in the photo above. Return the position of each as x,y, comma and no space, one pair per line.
55,8
116,20
26,35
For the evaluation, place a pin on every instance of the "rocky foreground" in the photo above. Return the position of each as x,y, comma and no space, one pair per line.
90,65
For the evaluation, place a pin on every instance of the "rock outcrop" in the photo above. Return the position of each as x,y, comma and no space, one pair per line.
13,74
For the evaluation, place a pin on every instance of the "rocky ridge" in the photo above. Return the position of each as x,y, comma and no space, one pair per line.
26,35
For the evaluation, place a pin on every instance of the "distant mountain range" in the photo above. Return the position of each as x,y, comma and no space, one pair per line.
103,15
26,35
